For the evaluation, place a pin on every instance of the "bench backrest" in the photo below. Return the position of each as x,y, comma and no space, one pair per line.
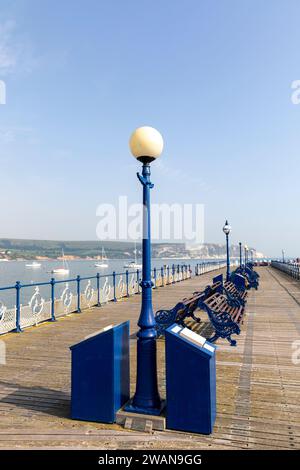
218,278
195,298
231,288
216,287
238,280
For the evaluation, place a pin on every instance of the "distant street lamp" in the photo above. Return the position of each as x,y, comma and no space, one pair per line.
246,256
146,144
227,230
240,245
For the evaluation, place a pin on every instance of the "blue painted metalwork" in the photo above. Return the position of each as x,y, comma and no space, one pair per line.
146,399
127,283
78,294
18,307
190,384
251,277
114,286
18,287
164,318
238,280
52,282
184,309
223,324
202,268
218,278
154,275
100,375
98,290
235,300
227,252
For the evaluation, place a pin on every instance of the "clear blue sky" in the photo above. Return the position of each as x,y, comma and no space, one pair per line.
213,76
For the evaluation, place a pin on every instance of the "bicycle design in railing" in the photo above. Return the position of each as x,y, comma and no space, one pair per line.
62,297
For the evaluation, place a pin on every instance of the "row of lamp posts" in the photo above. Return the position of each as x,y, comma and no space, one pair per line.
146,145
227,230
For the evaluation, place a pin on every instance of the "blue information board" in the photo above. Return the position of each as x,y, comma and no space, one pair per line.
100,374
190,381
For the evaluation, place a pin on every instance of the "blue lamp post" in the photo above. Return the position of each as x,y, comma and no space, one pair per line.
227,230
146,145
240,245
246,250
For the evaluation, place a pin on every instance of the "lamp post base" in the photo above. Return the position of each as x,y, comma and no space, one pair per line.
131,408
140,421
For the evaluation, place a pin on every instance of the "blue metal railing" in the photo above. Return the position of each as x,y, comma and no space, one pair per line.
205,267
292,269
99,289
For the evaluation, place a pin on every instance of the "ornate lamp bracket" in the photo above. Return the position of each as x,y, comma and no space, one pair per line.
144,181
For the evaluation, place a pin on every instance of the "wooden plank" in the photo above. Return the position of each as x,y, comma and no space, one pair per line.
258,386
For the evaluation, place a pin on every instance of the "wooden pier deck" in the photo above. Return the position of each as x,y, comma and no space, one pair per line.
258,386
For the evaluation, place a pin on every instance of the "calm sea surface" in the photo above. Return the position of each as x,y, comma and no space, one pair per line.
13,271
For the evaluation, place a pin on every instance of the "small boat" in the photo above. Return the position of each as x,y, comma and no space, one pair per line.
64,269
103,261
34,265
61,271
133,264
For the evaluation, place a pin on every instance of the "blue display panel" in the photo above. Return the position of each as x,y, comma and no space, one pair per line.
100,374
190,381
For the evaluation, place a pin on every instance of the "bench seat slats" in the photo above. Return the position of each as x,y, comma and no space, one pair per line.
218,303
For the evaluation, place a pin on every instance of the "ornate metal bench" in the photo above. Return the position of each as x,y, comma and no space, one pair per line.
239,280
250,276
184,309
224,317
234,295
253,276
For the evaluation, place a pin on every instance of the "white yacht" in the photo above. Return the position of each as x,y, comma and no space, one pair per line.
64,269
103,260
33,265
133,264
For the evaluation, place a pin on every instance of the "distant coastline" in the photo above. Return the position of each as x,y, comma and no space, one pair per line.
18,249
